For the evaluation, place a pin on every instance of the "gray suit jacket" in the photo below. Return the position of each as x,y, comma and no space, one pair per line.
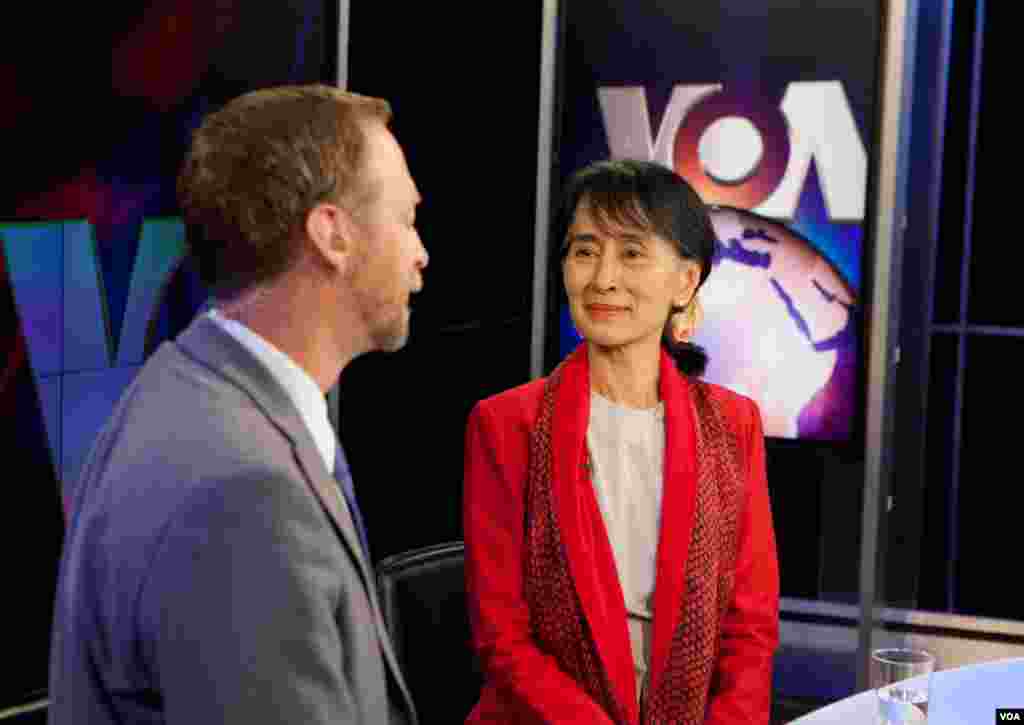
211,572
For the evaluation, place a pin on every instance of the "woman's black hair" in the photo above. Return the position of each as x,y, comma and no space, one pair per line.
648,196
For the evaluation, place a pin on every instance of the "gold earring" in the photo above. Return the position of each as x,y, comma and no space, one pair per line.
686,320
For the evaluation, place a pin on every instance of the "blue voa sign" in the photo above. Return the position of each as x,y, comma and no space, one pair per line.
80,364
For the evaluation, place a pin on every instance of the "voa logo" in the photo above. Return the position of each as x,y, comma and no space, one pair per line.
80,360
738,151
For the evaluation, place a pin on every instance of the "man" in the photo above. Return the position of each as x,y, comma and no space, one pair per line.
215,568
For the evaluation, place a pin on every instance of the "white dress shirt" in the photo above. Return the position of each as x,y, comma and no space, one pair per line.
305,394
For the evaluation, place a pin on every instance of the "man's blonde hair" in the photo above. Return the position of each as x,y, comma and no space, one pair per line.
256,168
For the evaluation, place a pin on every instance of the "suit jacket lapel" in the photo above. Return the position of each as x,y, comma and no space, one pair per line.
588,550
206,341
217,349
679,491
326,489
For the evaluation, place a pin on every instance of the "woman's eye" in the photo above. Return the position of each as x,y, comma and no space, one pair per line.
633,253
583,252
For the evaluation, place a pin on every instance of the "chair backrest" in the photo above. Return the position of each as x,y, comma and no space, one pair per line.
423,597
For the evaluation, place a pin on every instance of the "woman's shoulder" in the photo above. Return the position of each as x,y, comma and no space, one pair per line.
522,401
506,419
739,408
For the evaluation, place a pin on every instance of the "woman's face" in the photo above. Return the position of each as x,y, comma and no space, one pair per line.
622,282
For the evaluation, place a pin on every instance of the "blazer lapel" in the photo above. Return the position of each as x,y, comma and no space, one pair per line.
326,489
217,349
206,341
679,490
588,550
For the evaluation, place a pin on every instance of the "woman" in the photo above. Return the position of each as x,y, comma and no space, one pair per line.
620,555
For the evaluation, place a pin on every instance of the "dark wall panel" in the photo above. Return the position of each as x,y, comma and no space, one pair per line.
463,81
990,495
938,475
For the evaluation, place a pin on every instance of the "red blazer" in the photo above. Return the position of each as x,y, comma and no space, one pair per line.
523,684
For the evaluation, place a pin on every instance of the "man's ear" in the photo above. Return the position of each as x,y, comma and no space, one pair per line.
332,232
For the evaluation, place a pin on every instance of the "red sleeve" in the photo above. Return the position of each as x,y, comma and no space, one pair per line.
741,689
518,674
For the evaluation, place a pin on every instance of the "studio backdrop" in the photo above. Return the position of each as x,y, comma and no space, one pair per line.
767,109
96,121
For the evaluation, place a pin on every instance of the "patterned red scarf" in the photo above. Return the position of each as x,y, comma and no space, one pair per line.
556,614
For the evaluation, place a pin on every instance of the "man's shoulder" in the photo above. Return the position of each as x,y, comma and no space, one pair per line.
177,427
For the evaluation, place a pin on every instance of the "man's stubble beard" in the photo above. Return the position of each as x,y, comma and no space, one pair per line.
386,334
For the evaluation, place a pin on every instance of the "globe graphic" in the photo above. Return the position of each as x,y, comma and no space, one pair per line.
779,327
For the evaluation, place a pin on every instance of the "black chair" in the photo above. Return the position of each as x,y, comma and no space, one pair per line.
423,598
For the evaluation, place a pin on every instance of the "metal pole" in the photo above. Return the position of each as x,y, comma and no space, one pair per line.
342,65
953,507
895,98
341,79
545,132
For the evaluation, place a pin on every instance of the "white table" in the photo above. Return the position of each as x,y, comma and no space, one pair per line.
966,695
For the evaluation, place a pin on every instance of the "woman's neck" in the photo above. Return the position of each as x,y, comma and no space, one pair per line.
625,375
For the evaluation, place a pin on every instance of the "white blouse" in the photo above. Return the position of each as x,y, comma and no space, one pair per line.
627,453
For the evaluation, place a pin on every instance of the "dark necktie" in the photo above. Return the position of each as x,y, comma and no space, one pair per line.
344,478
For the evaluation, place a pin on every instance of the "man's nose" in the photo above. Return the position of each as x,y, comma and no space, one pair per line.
423,258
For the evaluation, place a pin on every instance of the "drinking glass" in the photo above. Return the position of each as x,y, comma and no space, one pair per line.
901,677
